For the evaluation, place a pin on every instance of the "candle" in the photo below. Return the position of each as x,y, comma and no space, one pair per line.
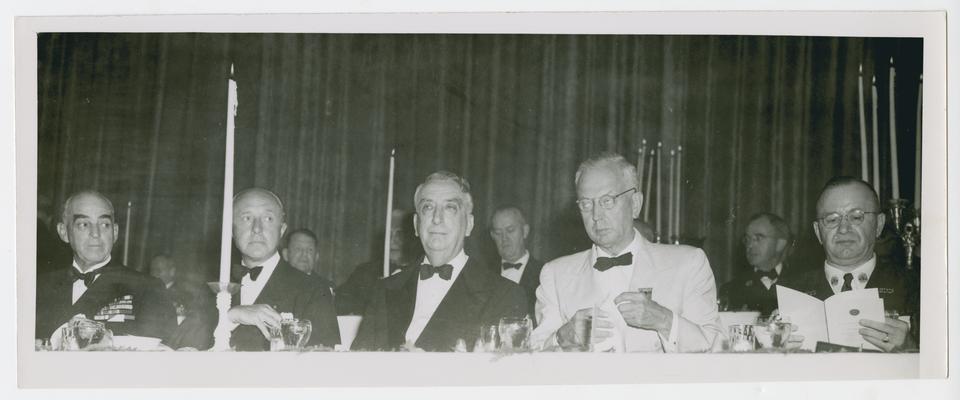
389,217
894,168
670,188
646,193
863,129
876,139
641,152
126,235
679,189
659,192
227,227
919,161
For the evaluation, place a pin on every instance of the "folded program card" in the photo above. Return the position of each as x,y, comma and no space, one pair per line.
834,320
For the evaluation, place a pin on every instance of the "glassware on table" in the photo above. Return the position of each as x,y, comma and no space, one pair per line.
742,338
489,339
514,333
81,333
295,333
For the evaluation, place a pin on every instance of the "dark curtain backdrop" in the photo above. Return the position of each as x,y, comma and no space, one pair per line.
763,121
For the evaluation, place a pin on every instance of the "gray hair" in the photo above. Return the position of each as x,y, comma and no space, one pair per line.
66,204
447,176
613,161
263,191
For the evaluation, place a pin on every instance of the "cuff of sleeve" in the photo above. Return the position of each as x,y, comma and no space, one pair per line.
669,343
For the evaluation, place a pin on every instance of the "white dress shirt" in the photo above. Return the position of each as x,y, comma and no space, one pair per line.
250,288
515,274
430,292
861,275
79,288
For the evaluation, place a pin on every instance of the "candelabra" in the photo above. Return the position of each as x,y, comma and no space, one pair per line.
907,227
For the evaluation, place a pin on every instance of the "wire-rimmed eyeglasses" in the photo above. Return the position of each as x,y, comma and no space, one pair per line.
606,201
855,217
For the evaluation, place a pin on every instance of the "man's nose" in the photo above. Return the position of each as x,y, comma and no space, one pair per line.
437,216
257,225
95,231
844,225
595,213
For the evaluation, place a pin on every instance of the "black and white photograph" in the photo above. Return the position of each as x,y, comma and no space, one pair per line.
500,200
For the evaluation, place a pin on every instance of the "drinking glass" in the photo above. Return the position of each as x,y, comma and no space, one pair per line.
742,338
295,333
514,333
88,332
489,339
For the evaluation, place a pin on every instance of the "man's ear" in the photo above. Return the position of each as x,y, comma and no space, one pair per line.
637,203
526,231
469,224
816,232
62,232
285,253
881,220
781,245
416,220
116,233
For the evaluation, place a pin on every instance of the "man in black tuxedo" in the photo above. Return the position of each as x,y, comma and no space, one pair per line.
766,241
301,252
849,220
100,288
269,285
509,231
194,302
450,296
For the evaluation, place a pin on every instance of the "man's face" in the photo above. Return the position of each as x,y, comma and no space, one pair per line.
442,221
88,226
848,244
611,230
301,252
397,236
763,246
509,232
162,268
257,226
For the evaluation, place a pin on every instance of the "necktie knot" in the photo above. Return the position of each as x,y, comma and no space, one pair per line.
505,266
241,271
427,271
87,278
847,279
605,263
770,274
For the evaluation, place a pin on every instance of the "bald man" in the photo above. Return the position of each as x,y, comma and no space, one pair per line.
96,285
270,285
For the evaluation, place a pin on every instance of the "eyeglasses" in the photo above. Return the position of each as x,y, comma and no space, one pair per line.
855,217
749,239
606,201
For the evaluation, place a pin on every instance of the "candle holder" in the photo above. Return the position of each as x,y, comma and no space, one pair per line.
224,291
906,226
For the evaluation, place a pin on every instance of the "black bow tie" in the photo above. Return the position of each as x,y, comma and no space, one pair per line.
505,266
605,263
445,271
88,277
242,271
771,274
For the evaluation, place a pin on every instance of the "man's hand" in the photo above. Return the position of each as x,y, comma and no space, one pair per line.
640,312
570,335
892,335
260,315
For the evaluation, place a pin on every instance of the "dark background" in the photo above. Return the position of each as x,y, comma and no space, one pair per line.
763,121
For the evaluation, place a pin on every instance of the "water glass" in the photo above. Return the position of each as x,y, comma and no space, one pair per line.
514,333
295,333
489,339
742,338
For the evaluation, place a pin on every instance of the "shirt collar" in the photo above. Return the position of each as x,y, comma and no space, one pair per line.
634,247
95,266
457,262
778,268
522,260
860,273
268,265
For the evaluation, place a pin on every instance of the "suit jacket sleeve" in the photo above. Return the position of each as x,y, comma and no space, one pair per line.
548,315
697,324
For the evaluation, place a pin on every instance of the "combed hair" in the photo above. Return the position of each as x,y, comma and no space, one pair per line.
614,160
261,190
66,204
779,225
505,207
446,176
301,231
840,181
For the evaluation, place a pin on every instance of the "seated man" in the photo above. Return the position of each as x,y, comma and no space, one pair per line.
766,242
96,285
301,252
194,302
450,296
269,285
680,315
509,231
849,220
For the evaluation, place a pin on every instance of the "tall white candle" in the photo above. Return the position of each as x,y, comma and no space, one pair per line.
126,235
863,129
659,192
227,227
671,189
876,141
647,200
919,161
389,217
679,190
894,167
641,153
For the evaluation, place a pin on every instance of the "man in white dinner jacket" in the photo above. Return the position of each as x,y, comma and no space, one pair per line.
601,284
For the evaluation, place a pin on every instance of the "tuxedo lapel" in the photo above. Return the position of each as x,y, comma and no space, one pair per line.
401,296
457,315
275,291
100,293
